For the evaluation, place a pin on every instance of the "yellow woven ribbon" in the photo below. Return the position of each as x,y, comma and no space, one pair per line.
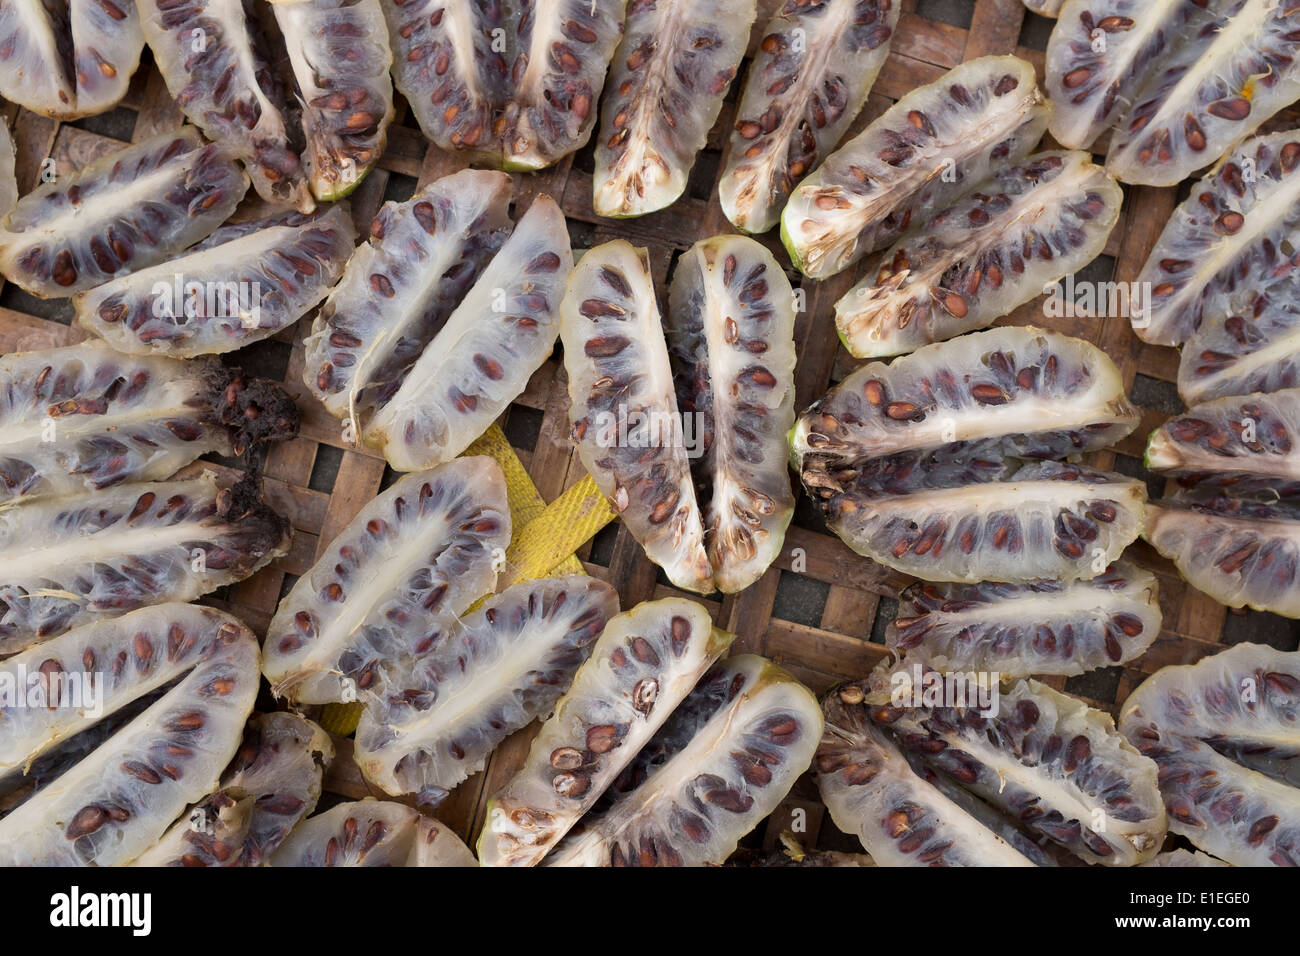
543,543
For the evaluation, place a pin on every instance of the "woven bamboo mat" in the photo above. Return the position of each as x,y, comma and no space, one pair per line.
820,611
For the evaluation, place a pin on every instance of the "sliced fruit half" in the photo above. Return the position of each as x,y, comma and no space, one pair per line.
1221,82
1230,236
902,820
1043,757
731,345
624,411
481,360
1047,520
73,560
215,65
641,668
243,283
814,68
411,560
1239,552
977,260
436,722
693,810
663,94
119,801
125,211
1234,444
1013,391
86,417
400,287
1045,627
340,57
933,146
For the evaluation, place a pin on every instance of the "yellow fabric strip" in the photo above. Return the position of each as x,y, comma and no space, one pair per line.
543,544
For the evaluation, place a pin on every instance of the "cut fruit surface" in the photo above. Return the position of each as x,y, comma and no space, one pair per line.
411,560
983,256
642,667
814,68
735,769
1045,627
399,289
125,211
481,360
243,283
933,146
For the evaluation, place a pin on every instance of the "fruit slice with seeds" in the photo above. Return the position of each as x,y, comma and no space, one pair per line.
1221,83
664,93
1236,233
815,65
1043,757
85,417
125,211
481,360
1014,391
1047,520
433,724
733,772
982,257
120,800
1253,346
363,833
624,410
243,283
340,57
901,819
1045,627
82,558
214,62
933,146
1240,552
413,558
1099,55
731,345
399,289
641,668
1234,444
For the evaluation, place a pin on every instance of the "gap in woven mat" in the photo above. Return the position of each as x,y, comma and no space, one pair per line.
582,235
118,124
523,426
800,600
704,174
1152,393
807,515
585,159
52,310
1131,467
325,468
886,611
1099,685
1259,627
1035,30
955,13
390,478
399,187
265,359
602,545
286,586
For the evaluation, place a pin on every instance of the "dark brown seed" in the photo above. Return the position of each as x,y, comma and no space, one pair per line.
570,784
566,758
1232,108
602,738
644,694
87,821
